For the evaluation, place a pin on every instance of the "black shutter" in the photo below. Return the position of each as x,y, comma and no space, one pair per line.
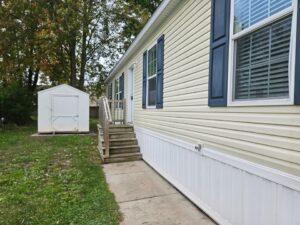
110,91
297,69
121,80
218,68
144,79
160,72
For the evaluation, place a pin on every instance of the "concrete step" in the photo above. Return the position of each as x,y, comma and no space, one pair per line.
122,142
124,157
122,135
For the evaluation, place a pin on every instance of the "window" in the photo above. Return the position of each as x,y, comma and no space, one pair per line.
117,90
262,37
151,76
250,12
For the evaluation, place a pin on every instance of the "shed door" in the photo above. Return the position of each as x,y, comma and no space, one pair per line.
64,113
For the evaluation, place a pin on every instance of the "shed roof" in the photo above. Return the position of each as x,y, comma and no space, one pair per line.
63,85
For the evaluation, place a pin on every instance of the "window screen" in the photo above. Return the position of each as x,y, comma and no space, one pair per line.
262,62
249,12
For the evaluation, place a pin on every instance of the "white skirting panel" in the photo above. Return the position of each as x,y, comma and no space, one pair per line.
230,190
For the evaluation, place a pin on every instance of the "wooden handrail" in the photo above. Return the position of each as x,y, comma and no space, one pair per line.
118,111
110,112
107,109
105,121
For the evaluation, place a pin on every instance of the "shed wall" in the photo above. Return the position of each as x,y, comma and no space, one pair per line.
45,107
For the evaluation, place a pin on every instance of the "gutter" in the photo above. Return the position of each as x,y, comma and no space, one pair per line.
158,16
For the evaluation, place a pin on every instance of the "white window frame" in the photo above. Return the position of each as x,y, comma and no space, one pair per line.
118,92
292,10
148,78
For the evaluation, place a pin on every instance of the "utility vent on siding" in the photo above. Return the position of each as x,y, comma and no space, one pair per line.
262,67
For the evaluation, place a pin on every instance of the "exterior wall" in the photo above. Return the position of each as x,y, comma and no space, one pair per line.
268,135
231,191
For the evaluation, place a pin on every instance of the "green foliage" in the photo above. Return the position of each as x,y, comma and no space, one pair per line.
131,16
16,104
54,180
74,41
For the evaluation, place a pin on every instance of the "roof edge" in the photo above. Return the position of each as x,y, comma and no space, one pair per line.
69,86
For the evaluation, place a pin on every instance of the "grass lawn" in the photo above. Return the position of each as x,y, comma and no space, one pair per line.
52,180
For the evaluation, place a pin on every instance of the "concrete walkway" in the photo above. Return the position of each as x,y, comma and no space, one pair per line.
145,198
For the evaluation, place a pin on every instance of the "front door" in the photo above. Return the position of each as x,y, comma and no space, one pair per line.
130,96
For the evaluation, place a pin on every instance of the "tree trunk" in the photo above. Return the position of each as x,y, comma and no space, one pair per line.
85,24
35,79
29,78
83,59
32,79
73,63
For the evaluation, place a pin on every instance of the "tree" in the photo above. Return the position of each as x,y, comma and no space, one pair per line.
22,42
73,41
131,16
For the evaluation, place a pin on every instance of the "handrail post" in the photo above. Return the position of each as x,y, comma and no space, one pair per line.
99,111
113,111
124,111
105,121
108,110
107,139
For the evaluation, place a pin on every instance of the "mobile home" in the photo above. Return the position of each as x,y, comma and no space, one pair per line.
212,88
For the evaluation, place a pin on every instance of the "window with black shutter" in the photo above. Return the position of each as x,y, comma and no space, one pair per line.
153,72
262,51
256,55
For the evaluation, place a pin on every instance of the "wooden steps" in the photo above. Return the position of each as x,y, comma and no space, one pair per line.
125,157
123,145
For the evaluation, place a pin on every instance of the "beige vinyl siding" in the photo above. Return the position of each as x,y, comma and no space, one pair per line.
269,135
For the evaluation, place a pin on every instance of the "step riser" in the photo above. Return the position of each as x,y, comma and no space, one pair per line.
119,129
120,125
122,143
120,151
122,159
121,136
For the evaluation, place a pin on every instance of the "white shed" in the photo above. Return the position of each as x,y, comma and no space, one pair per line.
63,109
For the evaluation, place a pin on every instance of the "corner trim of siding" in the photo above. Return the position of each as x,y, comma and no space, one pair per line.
274,175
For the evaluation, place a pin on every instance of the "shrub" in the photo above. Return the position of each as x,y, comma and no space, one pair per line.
16,104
